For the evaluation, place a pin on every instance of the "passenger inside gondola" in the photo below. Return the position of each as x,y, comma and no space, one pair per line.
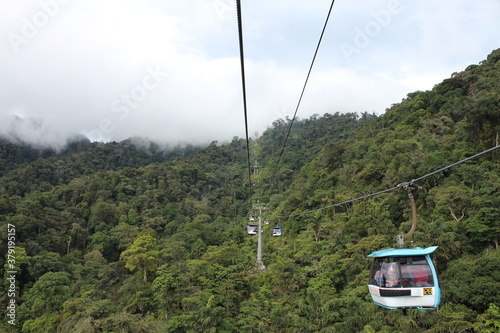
390,271
379,278
420,278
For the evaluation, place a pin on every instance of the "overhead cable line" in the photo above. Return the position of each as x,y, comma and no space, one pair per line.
343,202
457,163
303,90
399,186
242,61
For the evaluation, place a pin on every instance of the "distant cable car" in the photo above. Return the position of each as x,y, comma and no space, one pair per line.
277,231
404,278
252,229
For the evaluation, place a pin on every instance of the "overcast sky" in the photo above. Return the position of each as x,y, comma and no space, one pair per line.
169,70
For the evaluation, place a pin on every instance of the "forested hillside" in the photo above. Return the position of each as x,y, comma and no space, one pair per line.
26,169
117,238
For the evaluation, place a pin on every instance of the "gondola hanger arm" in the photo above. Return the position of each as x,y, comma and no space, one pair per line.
409,188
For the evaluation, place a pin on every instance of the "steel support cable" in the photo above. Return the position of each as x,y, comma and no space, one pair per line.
303,90
243,84
342,203
400,186
457,163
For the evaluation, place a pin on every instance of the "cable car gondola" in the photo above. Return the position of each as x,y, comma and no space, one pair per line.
405,278
277,231
252,229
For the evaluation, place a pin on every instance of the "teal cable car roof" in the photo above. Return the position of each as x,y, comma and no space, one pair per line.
417,251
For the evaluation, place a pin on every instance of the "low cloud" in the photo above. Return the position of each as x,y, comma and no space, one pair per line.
170,71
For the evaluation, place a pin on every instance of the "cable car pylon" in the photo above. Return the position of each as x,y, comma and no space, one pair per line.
260,264
253,229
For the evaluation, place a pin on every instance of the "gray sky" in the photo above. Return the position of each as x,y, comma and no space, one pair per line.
169,70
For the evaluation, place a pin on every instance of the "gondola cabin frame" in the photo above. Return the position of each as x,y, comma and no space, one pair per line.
277,231
404,279
252,229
